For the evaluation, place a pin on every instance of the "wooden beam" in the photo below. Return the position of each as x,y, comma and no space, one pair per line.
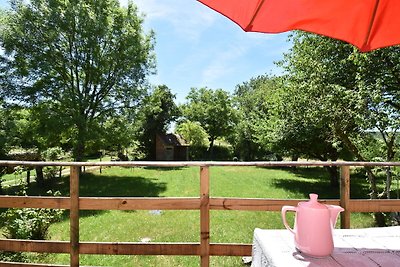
258,204
129,248
190,203
125,248
345,197
374,205
200,163
34,202
220,249
205,216
40,246
20,264
74,216
139,203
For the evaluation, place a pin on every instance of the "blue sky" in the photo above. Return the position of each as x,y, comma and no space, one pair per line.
197,47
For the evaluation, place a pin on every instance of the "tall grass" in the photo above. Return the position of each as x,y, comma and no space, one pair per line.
183,226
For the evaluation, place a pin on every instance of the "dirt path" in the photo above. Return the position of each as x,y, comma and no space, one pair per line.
64,172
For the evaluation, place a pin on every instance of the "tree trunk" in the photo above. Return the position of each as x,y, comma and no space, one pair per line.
39,176
294,157
152,149
28,177
249,155
379,216
388,182
79,148
380,219
333,175
390,154
211,149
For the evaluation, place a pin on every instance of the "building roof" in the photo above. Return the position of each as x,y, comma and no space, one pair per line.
172,140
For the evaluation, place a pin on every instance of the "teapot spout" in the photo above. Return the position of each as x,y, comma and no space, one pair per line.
334,212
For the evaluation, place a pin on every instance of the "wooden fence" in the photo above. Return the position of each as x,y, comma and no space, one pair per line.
204,203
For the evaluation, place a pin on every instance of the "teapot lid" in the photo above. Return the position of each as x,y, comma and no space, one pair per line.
312,203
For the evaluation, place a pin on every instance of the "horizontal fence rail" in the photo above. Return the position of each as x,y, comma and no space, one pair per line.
204,203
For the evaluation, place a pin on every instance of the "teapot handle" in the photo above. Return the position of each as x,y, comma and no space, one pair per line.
284,210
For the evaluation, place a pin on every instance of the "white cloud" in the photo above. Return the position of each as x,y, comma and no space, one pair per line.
188,18
197,46
152,8
224,63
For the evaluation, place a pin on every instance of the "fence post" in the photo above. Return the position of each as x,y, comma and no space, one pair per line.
74,215
204,216
345,197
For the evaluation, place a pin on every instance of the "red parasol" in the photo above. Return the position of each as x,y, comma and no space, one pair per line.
367,24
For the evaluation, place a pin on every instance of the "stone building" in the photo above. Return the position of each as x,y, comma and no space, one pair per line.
171,147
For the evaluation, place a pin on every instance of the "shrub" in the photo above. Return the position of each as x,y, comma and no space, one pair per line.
53,153
13,256
50,172
28,223
222,152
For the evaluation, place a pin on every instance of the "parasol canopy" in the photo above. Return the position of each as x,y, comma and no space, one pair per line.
366,24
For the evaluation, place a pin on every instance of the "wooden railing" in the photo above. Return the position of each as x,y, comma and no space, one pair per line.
204,203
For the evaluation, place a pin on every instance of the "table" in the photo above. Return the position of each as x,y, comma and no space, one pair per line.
353,247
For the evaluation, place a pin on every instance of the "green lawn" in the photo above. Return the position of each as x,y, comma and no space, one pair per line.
183,226
16,178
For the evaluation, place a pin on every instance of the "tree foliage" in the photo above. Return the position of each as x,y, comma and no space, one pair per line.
29,223
82,61
213,110
6,126
156,114
195,135
345,93
353,93
255,102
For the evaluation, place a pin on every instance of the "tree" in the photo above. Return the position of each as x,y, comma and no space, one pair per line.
7,129
378,78
118,135
154,117
4,130
195,135
85,60
274,119
255,101
213,110
301,133
192,132
341,95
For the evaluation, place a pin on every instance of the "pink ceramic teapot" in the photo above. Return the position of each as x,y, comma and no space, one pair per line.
313,226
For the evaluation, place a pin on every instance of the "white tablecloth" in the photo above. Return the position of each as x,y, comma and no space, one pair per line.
353,248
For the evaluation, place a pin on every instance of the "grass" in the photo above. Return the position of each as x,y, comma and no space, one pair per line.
183,226
16,178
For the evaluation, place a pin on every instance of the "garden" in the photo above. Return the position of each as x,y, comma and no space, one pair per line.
183,226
